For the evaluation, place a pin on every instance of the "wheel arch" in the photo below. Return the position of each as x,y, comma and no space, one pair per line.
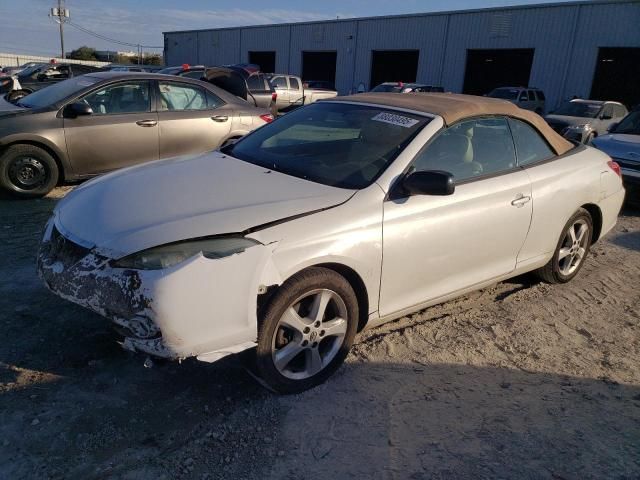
348,273
46,147
596,219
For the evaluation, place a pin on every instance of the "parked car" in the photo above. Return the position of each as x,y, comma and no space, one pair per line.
528,98
292,93
243,80
583,120
318,84
622,143
132,68
40,76
185,70
276,242
248,84
98,122
401,87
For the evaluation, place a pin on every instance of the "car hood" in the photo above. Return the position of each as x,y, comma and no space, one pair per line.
620,145
566,121
189,197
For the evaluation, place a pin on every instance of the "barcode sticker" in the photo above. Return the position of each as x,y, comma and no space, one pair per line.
394,119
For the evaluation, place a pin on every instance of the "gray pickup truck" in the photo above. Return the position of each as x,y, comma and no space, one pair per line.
292,93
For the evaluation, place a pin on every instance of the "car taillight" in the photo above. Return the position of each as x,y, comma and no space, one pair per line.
267,117
274,96
615,167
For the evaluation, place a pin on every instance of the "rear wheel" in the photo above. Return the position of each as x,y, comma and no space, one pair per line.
571,251
307,331
27,171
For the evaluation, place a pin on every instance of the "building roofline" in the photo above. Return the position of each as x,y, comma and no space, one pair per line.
416,15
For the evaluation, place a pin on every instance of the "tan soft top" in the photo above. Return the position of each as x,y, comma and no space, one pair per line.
453,107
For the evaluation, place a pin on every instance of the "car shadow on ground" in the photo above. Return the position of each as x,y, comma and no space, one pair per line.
112,419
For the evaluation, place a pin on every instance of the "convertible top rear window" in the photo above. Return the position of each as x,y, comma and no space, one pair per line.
338,144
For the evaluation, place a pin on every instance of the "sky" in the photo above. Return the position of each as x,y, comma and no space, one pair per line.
26,28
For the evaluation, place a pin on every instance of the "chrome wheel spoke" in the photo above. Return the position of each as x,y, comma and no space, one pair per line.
319,306
572,233
291,319
313,361
580,254
283,357
564,252
335,328
581,233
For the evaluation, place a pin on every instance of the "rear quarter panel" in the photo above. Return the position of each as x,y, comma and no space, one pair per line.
559,188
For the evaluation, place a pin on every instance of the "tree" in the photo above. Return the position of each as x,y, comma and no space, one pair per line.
153,59
83,53
123,59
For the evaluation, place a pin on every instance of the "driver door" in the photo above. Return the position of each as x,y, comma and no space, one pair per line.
438,245
122,130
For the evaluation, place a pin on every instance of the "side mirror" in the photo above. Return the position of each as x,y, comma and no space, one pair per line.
612,127
430,182
77,109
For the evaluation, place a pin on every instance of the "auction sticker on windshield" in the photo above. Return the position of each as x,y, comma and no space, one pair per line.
394,119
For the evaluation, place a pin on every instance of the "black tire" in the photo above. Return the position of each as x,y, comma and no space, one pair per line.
551,272
270,330
27,171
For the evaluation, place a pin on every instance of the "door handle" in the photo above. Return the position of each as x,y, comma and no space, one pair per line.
520,201
219,118
147,123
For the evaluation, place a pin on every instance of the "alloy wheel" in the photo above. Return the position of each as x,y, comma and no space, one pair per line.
309,334
574,247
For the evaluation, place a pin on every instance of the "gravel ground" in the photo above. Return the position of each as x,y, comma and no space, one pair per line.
520,380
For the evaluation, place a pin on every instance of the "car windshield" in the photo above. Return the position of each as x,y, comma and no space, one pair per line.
388,88
505,93
579,109
57,92
629,124
338,144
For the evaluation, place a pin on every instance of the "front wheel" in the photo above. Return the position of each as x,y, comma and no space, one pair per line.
307,330
27,171
571,251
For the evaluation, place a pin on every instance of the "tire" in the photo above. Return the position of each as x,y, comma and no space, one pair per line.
27,171
296,350
569,255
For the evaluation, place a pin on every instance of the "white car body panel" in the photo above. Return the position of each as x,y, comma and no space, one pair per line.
408,253
224,196
431,244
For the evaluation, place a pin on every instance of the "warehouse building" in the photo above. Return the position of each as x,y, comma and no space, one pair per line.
589,49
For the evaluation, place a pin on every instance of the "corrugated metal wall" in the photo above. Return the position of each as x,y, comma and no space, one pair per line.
566,38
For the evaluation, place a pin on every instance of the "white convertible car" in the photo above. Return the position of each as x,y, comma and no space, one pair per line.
336,217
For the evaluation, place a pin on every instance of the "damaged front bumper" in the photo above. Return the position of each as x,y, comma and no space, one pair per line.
201,307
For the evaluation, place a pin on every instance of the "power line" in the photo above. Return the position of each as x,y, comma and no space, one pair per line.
108,39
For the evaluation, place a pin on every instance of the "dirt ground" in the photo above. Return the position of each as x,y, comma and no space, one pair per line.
521,380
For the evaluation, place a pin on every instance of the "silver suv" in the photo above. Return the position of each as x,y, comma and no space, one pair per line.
527,98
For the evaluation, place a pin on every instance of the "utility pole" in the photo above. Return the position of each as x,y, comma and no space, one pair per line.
60,15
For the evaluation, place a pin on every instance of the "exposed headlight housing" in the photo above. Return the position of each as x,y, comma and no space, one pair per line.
166,256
